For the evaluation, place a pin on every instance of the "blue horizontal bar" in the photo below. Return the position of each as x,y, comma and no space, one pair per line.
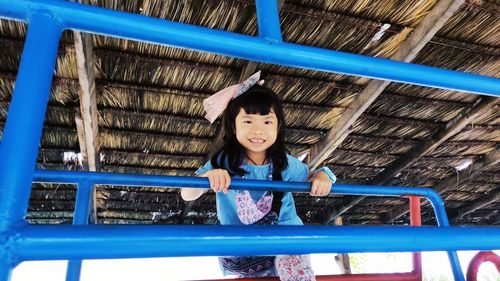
136,27
200,182
197,182
106,241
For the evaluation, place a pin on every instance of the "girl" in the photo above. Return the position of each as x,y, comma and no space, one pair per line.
254,148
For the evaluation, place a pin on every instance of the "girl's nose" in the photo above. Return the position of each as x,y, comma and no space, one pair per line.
258,130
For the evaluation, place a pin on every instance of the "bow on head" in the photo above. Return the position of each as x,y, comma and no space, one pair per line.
217,103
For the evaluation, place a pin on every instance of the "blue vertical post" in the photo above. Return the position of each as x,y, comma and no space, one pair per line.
25,117
5,270
80,217
268,19
442,220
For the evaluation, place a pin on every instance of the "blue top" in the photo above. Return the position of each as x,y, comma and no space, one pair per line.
226,207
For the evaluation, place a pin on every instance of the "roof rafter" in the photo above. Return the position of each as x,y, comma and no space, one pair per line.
429,26
87,121
486,162
480,107
424,32
475,205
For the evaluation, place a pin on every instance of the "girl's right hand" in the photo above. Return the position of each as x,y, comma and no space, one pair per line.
219,180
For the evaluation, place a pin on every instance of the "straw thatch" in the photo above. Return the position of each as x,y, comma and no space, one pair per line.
151,119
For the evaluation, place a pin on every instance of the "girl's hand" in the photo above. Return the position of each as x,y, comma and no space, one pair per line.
219,180
321,184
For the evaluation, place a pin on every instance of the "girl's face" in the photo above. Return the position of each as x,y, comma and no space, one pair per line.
255,132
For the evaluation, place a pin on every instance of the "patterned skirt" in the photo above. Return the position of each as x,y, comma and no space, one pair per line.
287,267
251,266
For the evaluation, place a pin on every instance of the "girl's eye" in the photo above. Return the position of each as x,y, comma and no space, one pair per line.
247,122
268,122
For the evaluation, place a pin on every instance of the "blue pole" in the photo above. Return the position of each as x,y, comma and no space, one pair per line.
136,27
268,19
442,221
81,216
340,189
169,181
38,242
23,128
5,271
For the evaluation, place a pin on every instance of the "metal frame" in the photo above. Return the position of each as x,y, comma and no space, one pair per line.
19,148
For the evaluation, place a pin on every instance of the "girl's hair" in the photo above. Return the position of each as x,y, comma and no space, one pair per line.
256,100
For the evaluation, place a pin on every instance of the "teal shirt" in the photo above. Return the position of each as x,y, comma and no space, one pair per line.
226,207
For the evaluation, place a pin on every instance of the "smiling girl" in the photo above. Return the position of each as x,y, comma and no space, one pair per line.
254,148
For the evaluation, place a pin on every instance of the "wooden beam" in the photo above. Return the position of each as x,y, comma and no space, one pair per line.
342,259
494,220
424,32
487,161
482,106
475,205
87,93
429,26
88,121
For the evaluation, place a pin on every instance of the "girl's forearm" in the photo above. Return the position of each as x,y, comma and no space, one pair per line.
190,194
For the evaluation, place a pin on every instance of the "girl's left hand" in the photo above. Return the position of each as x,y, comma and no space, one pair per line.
321,184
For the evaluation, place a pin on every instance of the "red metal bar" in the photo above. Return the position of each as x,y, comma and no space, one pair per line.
476,262
416,220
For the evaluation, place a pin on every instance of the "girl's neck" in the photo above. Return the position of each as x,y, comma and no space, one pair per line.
257,158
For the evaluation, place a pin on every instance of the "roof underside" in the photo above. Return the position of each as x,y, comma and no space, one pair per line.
150,114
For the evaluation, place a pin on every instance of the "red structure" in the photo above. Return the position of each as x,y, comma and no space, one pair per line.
476,262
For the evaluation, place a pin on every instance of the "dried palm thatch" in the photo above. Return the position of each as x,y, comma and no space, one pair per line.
377,126
309,91
153,160
117,66
59,137
358,158
486,133
301,136
153,99
161,123
159,51
456,59
453,148
477,22
150,97
409,13
412,108
121,140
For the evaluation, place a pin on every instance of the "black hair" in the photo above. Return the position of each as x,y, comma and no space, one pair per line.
256,100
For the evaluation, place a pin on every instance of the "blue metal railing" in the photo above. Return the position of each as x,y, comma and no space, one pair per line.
328,240
18,151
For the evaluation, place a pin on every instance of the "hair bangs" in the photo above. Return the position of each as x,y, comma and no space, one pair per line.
256,103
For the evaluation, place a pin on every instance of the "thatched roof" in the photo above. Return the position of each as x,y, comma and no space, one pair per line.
150,114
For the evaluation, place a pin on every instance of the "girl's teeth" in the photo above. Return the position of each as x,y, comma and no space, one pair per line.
257,141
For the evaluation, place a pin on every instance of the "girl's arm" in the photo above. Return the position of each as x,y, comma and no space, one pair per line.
190,194
322,181
219,181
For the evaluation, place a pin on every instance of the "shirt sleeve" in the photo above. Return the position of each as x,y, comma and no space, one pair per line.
205,168
297,170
